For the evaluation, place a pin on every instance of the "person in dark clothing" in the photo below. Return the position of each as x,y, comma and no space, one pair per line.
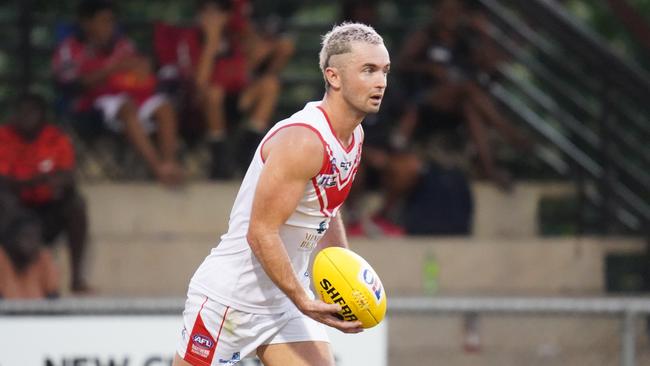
37,176
27,269
446,66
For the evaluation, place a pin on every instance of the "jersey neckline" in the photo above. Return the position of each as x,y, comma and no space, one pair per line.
329,123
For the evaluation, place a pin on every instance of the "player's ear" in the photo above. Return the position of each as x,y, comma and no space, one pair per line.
333,77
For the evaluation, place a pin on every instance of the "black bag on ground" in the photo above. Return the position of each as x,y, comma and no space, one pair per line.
440,204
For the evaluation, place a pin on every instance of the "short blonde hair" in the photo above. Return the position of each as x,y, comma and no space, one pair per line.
339,41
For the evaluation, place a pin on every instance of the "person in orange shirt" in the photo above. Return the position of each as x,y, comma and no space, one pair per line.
27,269
37,177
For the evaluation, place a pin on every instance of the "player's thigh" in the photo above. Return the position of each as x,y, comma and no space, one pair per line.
309,353
300,341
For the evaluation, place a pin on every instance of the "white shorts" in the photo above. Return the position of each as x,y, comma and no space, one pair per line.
109,106
215,334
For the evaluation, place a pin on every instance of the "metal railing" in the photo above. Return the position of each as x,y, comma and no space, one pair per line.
627,309
568,100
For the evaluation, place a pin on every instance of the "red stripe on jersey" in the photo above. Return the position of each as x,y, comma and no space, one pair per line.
223,320
320,197
201,346
329,123
322,140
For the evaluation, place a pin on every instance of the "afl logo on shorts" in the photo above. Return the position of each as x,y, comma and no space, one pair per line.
202,341
201,345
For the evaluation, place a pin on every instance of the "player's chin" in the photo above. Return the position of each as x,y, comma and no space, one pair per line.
373,106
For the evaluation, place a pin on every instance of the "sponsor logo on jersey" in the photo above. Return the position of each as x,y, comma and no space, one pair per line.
346,311
309,242
327,181
370,279
322,227
233,360
346,165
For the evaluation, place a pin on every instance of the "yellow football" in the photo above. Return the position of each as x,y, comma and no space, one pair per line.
344,277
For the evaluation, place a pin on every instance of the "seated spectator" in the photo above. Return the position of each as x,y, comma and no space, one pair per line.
385,167
37,176
446,65
105,73
225,65
416,193
27,269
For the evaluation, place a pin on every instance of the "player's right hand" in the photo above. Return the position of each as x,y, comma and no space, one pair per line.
326,314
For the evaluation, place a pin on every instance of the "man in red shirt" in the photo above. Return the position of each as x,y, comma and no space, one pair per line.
37,176
105,72
223,57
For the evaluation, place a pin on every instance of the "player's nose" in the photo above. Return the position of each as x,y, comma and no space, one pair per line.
381,81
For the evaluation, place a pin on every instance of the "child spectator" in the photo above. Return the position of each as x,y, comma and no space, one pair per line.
225,64
104,72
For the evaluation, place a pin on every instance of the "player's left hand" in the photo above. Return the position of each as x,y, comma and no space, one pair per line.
326,314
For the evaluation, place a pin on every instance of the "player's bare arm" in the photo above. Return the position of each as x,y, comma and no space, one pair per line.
280,187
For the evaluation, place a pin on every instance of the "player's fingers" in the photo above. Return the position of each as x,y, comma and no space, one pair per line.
323,307
352,331
342,325
350,327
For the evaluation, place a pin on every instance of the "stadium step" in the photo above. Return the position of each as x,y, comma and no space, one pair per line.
203,208
161,265
147,240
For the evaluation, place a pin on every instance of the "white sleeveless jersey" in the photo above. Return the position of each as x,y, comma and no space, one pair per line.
231,274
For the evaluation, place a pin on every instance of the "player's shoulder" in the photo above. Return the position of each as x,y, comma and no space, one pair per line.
296,140
300,137
298,148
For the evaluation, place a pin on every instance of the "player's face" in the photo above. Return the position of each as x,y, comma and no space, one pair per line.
364,76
